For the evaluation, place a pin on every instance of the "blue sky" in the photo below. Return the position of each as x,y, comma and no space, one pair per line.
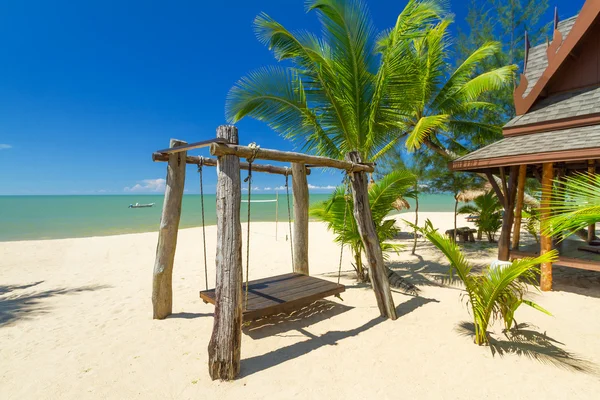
89,89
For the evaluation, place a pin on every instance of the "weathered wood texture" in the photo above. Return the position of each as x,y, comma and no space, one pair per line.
366,228
545,240
212,162
519,207
162,279
287,156
283,293
224,348
300,190
191,146
591,232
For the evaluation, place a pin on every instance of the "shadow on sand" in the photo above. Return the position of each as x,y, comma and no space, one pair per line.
15,306
189,315
525,341
302,319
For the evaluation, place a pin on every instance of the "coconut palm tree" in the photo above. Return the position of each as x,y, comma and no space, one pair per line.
498,291
354,89
418,164
337,213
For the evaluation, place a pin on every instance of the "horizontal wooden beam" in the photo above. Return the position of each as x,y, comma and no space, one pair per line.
212,162
217,149
191,146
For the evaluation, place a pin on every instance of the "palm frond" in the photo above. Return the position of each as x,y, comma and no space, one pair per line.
276,96
424,127
575,205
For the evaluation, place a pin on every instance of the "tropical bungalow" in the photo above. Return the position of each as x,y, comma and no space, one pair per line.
555,133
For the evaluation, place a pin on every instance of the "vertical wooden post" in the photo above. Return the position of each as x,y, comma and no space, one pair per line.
368,234
162,287
591,235
519,208
224,348
546,241
300,190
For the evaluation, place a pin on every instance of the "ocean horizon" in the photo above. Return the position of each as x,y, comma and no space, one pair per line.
41,217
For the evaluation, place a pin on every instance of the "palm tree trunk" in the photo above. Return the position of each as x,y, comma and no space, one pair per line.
416,220
360,272
455,213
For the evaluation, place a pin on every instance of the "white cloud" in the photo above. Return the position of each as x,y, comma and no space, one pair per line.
4,146
328,187
268,188
148,185
280,188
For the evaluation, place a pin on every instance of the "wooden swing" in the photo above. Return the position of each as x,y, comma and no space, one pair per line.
276,294
264,296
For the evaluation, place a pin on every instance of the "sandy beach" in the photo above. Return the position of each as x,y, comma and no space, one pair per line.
76,323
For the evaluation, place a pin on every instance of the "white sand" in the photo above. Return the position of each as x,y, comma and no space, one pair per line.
76,323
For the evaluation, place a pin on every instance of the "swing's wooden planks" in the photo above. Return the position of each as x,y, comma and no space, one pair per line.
282,293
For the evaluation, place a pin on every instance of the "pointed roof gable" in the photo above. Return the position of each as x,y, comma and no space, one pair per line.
544,61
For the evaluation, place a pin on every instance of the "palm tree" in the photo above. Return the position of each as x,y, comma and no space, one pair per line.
417,164
575,205
355,90
337,213
444,180
498,291
488,210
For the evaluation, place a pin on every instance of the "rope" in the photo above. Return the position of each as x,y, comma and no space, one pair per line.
287,191
248,179
345,182
200,164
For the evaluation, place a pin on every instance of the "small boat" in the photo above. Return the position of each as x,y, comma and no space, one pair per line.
138,205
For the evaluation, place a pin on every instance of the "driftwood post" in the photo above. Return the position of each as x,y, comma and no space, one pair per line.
162,287
519,208
300,190
368,234
225,343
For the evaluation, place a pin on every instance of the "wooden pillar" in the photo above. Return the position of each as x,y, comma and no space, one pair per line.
546,241
300,190
591,233
162,279
519,208
225,343
368,234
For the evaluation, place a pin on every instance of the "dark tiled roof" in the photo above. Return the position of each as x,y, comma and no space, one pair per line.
538,60
563,105
543,142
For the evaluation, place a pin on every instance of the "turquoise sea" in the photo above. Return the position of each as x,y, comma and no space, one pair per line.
54,217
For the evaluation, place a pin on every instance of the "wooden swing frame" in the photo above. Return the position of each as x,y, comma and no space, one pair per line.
225,343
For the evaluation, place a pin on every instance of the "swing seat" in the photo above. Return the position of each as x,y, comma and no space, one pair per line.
279,294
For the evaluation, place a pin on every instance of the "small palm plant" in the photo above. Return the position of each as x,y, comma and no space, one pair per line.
575,205
498,291
337,213
488,209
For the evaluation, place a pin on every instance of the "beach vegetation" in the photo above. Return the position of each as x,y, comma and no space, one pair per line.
575,204
418,164
356,89
488,210
454,182
337,212
495,293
